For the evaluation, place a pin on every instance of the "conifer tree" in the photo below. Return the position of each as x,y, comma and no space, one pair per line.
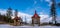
9,14
53,12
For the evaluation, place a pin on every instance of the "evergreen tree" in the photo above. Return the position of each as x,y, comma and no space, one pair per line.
53,12
9,14
59,4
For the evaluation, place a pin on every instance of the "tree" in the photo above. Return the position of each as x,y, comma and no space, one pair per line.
9,14
53,12
59,4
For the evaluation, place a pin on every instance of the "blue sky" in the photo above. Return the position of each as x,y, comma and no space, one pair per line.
29,6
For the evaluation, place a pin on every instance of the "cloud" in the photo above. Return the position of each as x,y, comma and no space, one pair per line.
41,13
35,2
44,17
41,0
24,15
49,1
58,19
2,11
50,4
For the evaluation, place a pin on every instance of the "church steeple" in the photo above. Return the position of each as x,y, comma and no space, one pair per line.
36,19
35,15
35,12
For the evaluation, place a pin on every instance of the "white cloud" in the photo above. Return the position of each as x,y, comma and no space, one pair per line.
23,15
41,13
50,4
49,1
2,11
44,17
58,19
35,2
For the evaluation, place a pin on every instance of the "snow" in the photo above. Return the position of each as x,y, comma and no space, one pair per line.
9,26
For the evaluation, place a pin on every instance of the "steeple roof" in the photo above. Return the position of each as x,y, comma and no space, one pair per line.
35,15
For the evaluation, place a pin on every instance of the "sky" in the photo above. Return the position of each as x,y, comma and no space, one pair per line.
28,7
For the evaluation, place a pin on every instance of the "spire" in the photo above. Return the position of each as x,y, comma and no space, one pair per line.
35,15
35,12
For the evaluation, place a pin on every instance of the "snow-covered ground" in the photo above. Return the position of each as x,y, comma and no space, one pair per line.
9,26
